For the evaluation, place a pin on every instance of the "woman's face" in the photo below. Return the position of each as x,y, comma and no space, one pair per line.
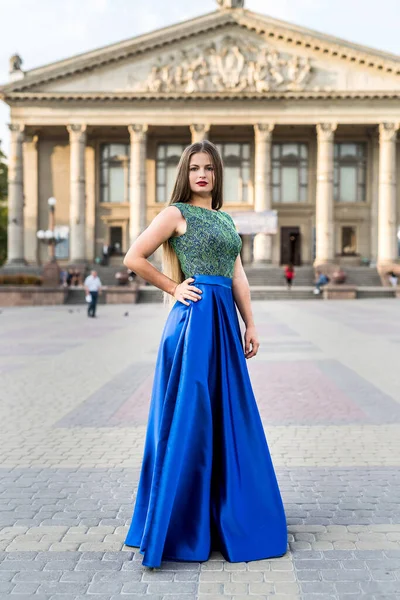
201,174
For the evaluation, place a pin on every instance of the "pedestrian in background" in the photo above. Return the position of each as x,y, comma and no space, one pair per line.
93,287
321,280
106,254
70,277
289,275
393,278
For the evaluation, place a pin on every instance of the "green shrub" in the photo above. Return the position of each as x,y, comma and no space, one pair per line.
21,279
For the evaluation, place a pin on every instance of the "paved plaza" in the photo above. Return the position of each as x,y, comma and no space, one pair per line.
74,396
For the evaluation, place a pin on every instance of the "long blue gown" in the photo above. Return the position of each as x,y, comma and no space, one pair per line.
207,480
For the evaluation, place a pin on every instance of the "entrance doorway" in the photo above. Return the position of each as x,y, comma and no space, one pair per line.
116,240
290,246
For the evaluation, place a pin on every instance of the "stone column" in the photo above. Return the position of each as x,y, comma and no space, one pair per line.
77,207
262,248
125,165
137,192
373,180
90,176
31,195
15,251
387,225
199,132
325,244
246,254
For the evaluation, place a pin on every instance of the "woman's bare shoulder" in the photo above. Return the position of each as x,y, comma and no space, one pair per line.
170,212
168,219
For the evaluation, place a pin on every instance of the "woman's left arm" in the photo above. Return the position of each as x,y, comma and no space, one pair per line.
241,295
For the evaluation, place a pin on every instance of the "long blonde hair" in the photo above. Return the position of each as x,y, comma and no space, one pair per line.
183,193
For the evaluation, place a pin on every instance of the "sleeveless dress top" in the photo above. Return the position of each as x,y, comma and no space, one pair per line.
210,244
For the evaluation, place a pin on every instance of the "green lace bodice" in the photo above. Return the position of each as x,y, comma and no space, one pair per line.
210,244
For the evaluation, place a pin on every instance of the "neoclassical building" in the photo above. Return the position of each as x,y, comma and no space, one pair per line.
306,123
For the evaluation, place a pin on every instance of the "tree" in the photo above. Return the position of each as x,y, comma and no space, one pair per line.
3,207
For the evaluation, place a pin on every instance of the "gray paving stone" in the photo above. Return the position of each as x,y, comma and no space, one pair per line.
186,576
161,575
90,555
172,587
353,564
85,597
346,575
99,565
20,565
179,566
58,587
25,587
309,575
120,576
19,556
7,575
134,587
380,587
37,596
318,597
38,576
53,558
305,564
64,597
180,597
135,597
317,587
105,587
348,587
61,565
135,565
381,575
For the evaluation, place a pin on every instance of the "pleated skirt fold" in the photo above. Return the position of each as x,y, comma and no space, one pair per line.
207,481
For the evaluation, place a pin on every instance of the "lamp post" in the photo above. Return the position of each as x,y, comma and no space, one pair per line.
51,270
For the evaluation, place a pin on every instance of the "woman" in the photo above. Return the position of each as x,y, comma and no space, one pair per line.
207,481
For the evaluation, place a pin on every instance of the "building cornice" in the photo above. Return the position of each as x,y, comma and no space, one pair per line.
270,29
115,97
137,46
317,42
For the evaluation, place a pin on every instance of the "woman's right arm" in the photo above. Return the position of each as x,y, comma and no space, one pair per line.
162,227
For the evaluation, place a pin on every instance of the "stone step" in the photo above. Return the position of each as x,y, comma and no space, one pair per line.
76,295
363,276
376,292
274,276
266,275
150,293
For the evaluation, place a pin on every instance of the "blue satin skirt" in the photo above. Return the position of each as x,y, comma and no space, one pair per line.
207,480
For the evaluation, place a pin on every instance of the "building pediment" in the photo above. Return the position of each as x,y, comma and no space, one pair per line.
232,53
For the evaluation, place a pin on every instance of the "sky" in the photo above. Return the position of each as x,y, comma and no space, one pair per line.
43,31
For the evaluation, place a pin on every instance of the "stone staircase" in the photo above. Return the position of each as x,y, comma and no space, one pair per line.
273,276
107,274
363,276
150,293
266,282
268,275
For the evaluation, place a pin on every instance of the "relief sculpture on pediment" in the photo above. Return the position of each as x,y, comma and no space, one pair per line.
229,66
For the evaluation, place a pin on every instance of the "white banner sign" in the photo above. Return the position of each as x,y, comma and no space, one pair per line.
248,222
